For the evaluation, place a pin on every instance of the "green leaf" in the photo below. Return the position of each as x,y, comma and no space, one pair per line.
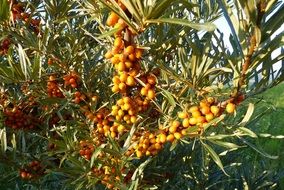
198,26
214,156
226,144
3,140
4,10
169,97
246,131
248,115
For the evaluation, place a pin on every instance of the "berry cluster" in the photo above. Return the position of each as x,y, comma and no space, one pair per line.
71,80
86,149
53,89
19,14
146,143
109,174
32,171
136,87
21,117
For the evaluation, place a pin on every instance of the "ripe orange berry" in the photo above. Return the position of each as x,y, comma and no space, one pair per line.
133,119
122,86
209,117
120,102
112,19
151,94
172,129
215,110
129,50
123,77
163,138
177,135
121,67
108,55
130,81
192,121
183,132
122,58
182,115
170,138
120,128
144,91
193,109
114,60
176,123
115,89
196,114
230,108
185,122
201,119
139,154
116,80
205,110
118,42
128,64
132,57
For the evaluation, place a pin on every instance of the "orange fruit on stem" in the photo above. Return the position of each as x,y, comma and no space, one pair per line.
230,108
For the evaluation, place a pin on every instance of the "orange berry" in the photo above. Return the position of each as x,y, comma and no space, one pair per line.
192,121
115,89
230,108
185,122
215,110
176,123
120,102
120,113
120,129
183,132
108,55
129,50
128,64
209,117
112,19
139,154
118,42
205,110
116,80
114,60
172,129
196,114
151,94
193,109
177,135
132,57
123,77
122,58
122,86
121,67
170,138
163,138
144,91
158,146
201,119
182,115
130,81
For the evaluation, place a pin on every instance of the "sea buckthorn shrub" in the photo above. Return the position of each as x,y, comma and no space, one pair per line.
116,94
